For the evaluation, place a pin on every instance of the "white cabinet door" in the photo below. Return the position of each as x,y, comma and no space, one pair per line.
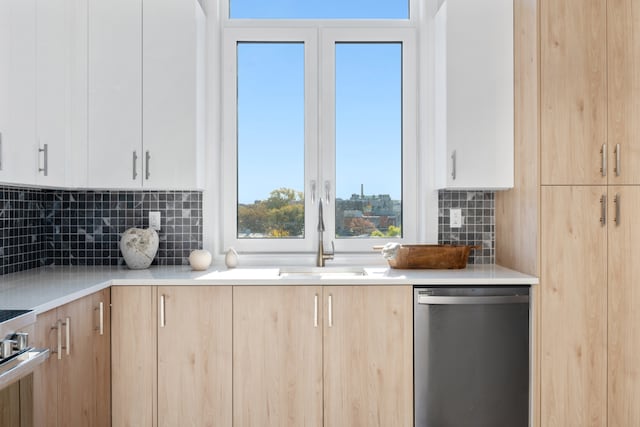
18,91
474,94
146,95
173,90
5,56
115,94
53,58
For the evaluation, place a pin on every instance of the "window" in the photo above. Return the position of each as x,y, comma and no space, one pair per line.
270,125
319,9
312,114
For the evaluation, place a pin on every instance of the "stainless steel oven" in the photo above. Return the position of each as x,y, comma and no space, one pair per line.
17,362
471,356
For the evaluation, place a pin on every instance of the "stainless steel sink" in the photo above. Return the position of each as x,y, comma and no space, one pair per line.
321,272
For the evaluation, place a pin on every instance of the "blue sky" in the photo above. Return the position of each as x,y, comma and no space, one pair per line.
271,110
398,9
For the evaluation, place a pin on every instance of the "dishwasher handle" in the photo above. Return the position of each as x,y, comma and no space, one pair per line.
464,300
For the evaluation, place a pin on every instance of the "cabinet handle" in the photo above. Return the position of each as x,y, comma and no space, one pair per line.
617,168
58,328
45,152
453,165
135,165
162,318
67,334
603,210
147,156
100,308
315,311
603,167
616,202
330,311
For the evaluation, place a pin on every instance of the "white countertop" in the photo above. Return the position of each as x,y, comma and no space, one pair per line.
45,288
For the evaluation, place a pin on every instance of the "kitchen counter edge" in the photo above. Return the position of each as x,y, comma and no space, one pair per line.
46,288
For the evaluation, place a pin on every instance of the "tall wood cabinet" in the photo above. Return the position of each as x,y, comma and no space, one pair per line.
313,356
574,306
171,355
570,217
624,306
73,386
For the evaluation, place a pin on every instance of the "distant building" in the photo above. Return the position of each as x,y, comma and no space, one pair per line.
379,210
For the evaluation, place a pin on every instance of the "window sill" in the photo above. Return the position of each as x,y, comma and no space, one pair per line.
344,259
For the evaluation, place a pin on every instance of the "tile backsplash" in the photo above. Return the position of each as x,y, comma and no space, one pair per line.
478,225
44,227
21,229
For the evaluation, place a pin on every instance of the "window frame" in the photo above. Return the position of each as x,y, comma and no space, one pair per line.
229,146
319,37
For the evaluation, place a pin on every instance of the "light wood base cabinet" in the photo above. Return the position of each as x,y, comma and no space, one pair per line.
72,387
313,356
277,355
171,356
368,356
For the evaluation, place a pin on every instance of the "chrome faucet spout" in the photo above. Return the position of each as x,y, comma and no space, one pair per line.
321,256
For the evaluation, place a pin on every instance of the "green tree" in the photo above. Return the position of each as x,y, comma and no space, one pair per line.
280,215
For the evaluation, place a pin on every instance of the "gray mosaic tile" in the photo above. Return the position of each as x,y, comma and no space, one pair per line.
43,227
478,227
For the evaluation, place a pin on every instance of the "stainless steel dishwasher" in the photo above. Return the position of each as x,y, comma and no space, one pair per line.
471,356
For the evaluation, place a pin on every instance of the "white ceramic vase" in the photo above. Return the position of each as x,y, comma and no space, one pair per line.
200,259
139,247
231,258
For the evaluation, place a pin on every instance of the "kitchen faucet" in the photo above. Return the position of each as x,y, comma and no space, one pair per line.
322,256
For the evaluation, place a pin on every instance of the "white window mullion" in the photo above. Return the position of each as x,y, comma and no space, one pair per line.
327,130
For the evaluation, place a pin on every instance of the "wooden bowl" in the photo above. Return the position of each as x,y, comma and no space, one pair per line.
432,256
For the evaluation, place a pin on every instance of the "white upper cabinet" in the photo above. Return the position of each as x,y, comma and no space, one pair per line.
53,95
146,105
115,94
474,122
173,93
37,53
18,152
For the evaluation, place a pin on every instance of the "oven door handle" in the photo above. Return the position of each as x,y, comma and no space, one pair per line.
478,300
21,365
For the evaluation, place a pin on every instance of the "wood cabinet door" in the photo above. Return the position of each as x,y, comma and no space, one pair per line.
277,356
101,357
573,120
368,356
133,355
573,307
624,300
45,376
623,53
194,356
76,381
